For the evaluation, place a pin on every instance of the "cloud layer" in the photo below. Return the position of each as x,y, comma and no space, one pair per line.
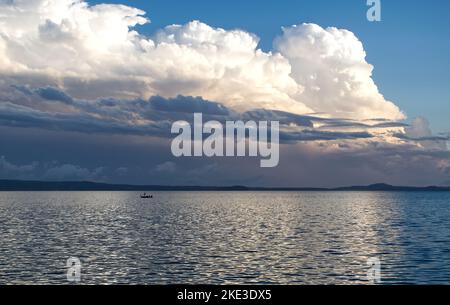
52,109
94,99
93,52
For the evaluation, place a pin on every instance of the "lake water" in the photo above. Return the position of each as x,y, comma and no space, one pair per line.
225,237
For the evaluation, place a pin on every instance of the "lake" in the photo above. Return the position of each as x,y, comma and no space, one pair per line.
225,237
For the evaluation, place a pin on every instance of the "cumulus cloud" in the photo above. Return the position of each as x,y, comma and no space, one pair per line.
8,169
48,171
419,131
330,64
92,51
419,128
72,172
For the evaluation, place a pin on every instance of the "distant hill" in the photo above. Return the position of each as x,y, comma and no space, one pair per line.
387,187
19,185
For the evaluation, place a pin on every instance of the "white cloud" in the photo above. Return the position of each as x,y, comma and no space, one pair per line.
419,128
330,63
92,51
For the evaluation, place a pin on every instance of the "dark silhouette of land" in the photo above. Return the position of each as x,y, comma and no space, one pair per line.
20,185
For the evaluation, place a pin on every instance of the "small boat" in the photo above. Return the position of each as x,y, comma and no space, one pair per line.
145,196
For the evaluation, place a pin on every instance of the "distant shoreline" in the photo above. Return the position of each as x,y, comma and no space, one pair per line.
22,185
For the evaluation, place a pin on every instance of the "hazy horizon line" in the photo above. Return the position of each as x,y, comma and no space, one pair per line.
18,184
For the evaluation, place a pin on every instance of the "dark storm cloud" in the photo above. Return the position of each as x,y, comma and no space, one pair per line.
187,104
153,117
317,135
425,138
287,118
128,141
389,125
52,94
284,118
125,159
20,116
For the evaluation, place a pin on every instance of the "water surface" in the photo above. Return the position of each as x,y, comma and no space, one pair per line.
225,237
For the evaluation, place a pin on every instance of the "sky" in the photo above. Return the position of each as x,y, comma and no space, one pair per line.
89,90
409,48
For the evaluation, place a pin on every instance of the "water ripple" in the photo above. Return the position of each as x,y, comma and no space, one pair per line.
224,238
